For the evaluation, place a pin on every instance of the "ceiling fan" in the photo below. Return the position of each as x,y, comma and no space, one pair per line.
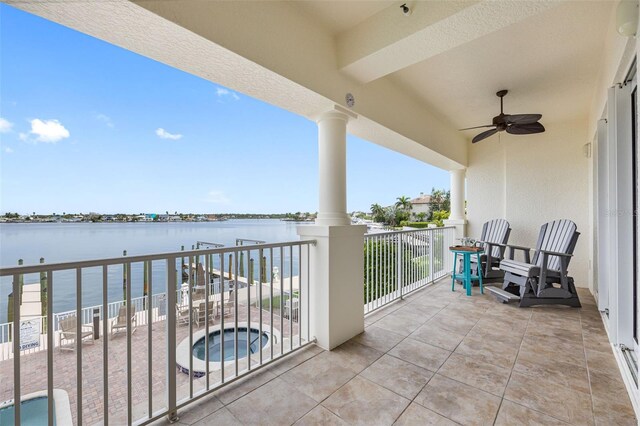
517,124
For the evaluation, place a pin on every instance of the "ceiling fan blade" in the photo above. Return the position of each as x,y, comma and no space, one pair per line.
478,127
525,129
484,135
522,118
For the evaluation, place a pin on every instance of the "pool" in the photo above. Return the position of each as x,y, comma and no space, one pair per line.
256,342
195,354
34,409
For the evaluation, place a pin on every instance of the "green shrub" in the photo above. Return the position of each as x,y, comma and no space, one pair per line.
415,224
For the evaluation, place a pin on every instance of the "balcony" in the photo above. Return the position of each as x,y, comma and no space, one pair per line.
428,354
440,357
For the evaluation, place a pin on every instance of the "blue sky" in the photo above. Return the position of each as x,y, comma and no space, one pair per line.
88,126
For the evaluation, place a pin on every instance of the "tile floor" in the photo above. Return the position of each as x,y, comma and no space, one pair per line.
441,358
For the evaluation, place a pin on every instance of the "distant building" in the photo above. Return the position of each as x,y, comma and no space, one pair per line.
421,204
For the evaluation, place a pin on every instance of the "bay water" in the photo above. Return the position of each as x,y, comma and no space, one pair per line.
68,242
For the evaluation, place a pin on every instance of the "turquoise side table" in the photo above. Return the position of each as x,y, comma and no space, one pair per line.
466,276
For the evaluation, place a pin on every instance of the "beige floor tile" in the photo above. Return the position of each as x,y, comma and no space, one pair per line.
318,377
612,411
506,336
454,321
569,336
222,417
420,354
551,370
243,386
398,376
601,360
320,416
558,401
353,403
425,311
272,404
293,360
403,323
434,334
199,410
354,356
511,414
484,348
378,338
548,348
415,414
458,402
477,373
606,384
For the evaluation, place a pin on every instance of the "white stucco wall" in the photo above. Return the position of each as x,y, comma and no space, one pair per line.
530,180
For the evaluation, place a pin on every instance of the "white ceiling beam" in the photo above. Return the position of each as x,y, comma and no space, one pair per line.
390,41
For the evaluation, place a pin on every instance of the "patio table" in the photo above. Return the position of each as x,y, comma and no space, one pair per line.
466,276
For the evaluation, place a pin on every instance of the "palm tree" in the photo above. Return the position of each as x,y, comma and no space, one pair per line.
404,203
378,213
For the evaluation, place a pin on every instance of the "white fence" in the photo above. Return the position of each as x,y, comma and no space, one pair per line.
259,308
397,263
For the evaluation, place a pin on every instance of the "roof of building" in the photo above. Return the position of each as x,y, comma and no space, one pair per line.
423,199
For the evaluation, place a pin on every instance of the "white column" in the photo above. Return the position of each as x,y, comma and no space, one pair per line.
457,217
336,309
332,156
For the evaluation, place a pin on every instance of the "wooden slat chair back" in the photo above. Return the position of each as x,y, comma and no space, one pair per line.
495,231
559,236
495,235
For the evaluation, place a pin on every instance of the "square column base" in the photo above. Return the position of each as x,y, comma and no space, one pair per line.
459,224
336,311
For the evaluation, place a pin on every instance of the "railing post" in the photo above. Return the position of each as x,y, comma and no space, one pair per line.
431,255
172,414
399,262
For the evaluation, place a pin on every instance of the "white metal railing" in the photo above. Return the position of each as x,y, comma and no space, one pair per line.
260,303
397,263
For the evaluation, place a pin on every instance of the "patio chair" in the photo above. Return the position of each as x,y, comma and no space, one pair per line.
120,322
68,331
291,308
494,237
202,312
229,303
183,313
543,279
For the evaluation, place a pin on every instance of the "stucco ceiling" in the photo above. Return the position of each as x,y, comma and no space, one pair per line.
548,54
339,16
549,63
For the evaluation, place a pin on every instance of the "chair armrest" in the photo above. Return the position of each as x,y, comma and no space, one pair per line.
555,253
492,243
511,246
525,250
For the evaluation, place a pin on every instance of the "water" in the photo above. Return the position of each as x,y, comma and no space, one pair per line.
34,412
66,242
255,343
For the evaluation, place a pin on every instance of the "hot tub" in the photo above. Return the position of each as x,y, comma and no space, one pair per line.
257,342
34,409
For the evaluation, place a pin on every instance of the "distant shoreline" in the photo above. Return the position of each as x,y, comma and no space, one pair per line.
138,219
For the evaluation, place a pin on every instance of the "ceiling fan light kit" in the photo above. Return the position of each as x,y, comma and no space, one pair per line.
516,124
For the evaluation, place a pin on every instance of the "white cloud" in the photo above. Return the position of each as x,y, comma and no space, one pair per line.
222,92
47,131
163,134
5,125
105,119
8,150
217,197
